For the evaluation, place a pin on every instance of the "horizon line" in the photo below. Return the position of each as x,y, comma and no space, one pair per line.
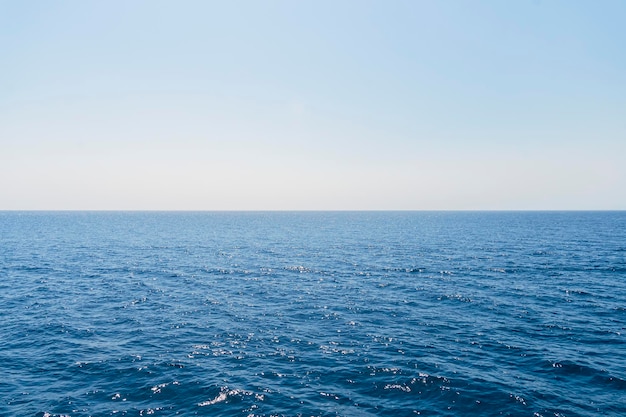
301,210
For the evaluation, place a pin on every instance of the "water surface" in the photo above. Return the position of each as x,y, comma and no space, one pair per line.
313,313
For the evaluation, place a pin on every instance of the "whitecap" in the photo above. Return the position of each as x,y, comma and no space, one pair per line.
222,396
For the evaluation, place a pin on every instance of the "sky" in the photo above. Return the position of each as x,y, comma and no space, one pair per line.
312,105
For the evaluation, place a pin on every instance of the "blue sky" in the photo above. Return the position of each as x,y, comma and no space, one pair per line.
283,105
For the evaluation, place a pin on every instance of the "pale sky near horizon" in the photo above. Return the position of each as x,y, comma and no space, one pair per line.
312,105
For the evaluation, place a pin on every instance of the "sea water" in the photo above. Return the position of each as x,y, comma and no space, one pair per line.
313,313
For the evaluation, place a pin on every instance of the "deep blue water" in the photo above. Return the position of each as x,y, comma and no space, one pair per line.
313,314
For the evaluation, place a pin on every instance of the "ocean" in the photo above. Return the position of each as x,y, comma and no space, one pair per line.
313,313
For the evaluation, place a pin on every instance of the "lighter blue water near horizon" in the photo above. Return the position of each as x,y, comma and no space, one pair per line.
313,313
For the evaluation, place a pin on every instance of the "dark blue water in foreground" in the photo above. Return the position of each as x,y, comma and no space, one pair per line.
313,314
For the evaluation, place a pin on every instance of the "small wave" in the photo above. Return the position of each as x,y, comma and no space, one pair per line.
222,396
413,270
149,411
299,268
226,393
457,297
329,395
46,414
518,398
400,387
